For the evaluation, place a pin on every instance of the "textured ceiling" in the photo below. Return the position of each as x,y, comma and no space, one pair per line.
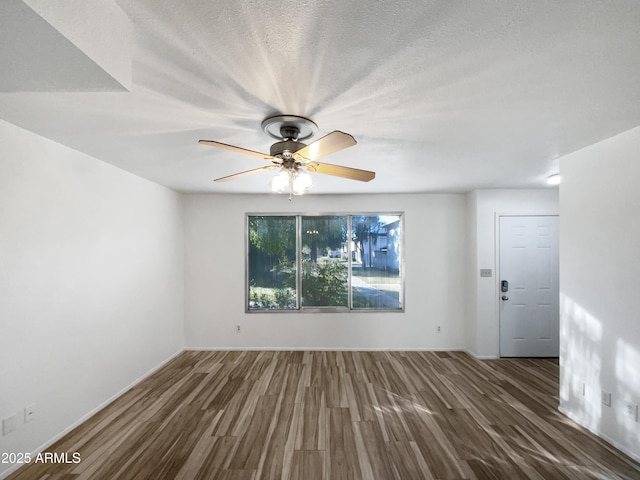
442,96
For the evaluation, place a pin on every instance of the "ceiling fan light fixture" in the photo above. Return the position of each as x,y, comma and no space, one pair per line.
302,182
280,183
293,181
294,157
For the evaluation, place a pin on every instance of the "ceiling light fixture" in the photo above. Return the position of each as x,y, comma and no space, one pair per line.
293,179
554,179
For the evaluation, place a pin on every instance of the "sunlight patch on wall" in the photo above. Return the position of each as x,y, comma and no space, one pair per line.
627,363
580,382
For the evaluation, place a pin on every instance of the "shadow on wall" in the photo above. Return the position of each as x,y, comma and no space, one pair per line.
585,354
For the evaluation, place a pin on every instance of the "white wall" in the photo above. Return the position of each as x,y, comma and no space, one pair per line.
484,208
91,283
215,277
600,285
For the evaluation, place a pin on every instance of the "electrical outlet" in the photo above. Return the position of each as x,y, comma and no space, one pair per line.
606,398
29,412
9,424
631,411
237,328
438,329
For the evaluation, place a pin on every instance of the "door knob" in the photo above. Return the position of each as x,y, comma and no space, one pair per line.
504,297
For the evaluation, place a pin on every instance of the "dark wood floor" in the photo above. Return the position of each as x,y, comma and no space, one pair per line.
338,415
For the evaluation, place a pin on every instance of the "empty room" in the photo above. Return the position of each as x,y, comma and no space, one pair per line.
319,240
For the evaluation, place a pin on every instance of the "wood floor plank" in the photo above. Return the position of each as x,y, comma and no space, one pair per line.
343,461
405,463
372,450
438,452
307,465
237,407
217,461
273,462
255,437
239,475
337,416
200,451
311,435
280,372
360,403
390,414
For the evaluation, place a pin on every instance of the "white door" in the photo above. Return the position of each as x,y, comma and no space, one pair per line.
529,300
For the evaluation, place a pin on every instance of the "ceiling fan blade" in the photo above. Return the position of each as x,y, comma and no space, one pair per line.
338,171
233,148
247,172
327,145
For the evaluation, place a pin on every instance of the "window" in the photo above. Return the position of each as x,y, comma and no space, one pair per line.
324,262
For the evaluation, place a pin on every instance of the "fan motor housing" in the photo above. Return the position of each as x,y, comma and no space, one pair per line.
284,147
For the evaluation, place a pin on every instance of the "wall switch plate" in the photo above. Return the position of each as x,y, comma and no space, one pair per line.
485,272
9,424
29,412
631,411
606,398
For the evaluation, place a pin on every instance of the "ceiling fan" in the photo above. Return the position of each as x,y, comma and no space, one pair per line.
293,157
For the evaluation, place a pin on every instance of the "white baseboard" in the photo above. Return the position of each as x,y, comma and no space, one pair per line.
88,415
481,357
321,349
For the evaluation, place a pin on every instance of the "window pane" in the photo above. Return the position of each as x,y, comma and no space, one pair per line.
375,279
324,261
272,262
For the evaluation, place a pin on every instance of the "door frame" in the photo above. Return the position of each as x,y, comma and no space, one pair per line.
496,280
